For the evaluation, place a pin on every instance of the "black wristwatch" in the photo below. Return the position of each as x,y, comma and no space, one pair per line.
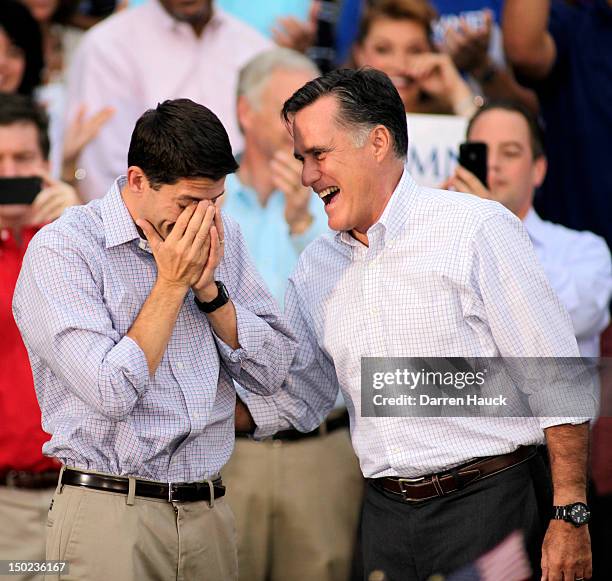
220,300
577,513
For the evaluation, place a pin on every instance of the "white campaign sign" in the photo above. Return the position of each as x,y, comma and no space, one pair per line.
433,146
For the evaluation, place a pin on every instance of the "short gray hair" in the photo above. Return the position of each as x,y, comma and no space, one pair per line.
255,74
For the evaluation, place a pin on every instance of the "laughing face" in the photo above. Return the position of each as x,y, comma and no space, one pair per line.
341,171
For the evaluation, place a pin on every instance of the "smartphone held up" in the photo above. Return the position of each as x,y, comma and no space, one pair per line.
21,190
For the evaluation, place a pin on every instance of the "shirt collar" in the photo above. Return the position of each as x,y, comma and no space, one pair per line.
534,226
394,215
119,226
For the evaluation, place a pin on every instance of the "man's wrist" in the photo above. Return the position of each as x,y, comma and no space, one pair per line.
562,498
207,293
172,288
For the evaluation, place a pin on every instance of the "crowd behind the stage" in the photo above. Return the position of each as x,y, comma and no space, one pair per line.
95,66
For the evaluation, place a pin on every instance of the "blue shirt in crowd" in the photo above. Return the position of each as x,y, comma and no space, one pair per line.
273,249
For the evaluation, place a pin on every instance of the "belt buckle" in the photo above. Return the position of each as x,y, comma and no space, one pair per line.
169,491
402,481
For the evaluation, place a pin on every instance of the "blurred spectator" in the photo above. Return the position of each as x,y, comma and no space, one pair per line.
21,53
59,44
21,68
162,49
577,263
563,52
27,478
395,37
465,34
59,40
301,522
469,31
469,24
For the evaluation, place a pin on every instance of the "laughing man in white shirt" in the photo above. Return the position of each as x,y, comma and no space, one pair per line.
415,272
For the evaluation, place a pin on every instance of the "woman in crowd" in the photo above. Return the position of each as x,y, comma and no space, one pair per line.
395,36
59,39
21,53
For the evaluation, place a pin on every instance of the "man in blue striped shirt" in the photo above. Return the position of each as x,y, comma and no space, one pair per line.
137,310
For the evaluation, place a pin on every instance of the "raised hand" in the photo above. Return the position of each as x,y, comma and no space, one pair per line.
287,177
52,200
436,75
181,257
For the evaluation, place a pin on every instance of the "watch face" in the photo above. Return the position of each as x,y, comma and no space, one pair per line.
579,513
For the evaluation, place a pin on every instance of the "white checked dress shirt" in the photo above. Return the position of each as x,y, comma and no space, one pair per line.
578,267
84,280
445,275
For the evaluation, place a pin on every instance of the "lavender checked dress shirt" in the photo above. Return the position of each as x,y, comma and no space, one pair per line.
84,280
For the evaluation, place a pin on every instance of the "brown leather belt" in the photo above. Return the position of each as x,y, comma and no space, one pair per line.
328,426
29,480
443,483
173,492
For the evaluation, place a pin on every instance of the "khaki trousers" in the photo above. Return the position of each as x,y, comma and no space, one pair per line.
23,514
103,538
297,507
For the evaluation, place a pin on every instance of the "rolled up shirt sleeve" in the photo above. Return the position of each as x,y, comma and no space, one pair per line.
267,346
530,325
62,317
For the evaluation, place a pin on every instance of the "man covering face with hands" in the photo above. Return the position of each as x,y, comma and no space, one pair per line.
137,310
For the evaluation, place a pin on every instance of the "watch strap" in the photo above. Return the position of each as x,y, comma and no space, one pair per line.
221,299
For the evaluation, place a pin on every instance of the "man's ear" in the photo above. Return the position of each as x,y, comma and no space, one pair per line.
381,142
137,180
540,166
244,111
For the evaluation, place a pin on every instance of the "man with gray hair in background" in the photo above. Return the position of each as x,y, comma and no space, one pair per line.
296,497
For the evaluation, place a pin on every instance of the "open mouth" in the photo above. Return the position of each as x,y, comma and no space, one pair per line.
328,194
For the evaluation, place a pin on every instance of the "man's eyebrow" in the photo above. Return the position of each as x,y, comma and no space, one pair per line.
187,198
217,197
512,143
314,150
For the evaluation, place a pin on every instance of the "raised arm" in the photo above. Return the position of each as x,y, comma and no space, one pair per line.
529,46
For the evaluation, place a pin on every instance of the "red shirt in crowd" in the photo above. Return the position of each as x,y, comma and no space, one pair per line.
21,435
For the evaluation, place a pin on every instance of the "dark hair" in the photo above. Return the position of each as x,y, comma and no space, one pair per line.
24,32
16,108
180,139
366,98
419,11
536,131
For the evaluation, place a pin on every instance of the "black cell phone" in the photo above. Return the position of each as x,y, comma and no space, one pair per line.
19,190
473,157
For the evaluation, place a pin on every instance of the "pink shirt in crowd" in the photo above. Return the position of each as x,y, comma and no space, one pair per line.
142,56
